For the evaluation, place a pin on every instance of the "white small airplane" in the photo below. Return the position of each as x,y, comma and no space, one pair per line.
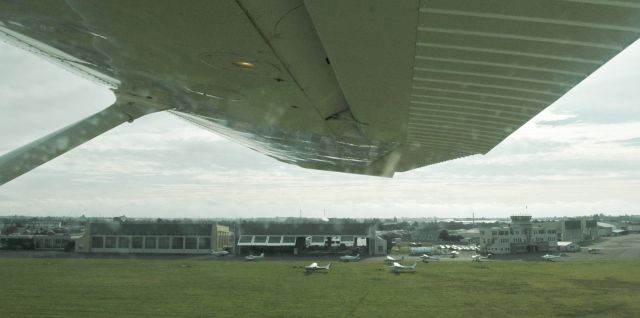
454,254
428,258
350,258
253,257
219,253
550,257
478,258
398,268
314,267
594,250
391,260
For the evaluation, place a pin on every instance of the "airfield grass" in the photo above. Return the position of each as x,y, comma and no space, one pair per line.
180,288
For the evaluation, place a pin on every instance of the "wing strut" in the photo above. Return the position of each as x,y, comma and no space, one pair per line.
23,159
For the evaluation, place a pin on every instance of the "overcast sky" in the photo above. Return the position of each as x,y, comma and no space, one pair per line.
580,156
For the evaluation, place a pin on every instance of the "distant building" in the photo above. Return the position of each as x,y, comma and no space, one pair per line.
605,229
300,238
35,241
619,232
470,236
425,235
521,236
154,238
631,226
568,246
579,230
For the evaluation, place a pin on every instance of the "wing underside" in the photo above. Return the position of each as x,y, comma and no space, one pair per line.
370,87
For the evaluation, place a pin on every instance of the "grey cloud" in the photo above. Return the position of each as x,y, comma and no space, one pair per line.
633,142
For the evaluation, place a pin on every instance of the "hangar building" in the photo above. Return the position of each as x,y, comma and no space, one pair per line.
154,238
605,229
579,230
302,238
36,241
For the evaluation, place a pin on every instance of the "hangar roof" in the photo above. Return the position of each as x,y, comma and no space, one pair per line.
602,224
259,228
114,228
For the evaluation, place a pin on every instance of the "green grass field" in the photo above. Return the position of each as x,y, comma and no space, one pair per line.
179,288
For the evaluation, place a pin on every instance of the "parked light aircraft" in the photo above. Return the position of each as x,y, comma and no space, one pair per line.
414,84
428,258
220,253
594,250
390,260
454,254
478,258
350,258
314,267
398,268
550,258
254,257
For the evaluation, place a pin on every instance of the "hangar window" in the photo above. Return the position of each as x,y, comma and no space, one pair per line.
97,242
191,243
163,242
317,239
150,242
288,240
274,239
245,239
205,243
110,242
136,242
123,242
177,243
260,239
346,238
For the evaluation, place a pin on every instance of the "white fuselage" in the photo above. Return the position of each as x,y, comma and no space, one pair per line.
314,267
254,258
398,268
349,258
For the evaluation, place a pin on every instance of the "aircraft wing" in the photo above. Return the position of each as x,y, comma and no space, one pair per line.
369,87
